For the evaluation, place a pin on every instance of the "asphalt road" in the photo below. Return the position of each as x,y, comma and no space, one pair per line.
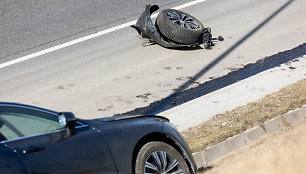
113,73
29,26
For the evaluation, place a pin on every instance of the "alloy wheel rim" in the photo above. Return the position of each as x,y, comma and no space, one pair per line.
183,20
161,162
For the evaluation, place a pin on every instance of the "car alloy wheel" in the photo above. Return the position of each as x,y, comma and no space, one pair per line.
162,162
183,20
179,26
160,158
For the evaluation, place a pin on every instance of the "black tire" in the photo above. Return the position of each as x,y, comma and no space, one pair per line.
179,31
152,152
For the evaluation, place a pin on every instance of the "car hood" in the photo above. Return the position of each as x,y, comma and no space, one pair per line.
124,117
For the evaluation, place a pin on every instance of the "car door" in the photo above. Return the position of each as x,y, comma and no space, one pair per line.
45,147
10,162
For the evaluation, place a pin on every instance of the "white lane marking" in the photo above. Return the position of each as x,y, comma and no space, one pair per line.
82,39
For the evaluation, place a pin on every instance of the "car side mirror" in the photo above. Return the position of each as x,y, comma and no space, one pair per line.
67,120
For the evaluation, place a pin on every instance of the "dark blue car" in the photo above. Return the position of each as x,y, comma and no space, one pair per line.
40,141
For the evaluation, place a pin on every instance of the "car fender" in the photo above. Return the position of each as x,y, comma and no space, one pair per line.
123,135
176,137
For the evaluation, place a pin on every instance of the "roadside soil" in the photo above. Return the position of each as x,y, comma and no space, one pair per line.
231,123
281,153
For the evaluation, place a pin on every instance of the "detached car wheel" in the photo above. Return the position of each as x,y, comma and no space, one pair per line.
179,26
159,157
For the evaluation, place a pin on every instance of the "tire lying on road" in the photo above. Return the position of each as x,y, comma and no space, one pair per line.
159,157
179,26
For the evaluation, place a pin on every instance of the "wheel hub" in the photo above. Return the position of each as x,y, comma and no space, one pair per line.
183,20
162,162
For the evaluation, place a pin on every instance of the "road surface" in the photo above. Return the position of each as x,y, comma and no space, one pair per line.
113,73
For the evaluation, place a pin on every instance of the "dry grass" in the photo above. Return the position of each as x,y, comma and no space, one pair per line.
231,123
281,153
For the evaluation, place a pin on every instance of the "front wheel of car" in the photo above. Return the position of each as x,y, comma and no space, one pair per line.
158,157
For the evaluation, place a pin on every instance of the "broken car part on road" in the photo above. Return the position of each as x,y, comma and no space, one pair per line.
173,29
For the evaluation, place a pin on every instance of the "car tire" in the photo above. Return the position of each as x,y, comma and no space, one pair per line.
179,26
159,157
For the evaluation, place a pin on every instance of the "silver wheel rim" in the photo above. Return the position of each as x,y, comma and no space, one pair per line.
183,20
162,162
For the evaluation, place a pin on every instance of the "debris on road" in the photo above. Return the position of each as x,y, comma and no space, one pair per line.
173,29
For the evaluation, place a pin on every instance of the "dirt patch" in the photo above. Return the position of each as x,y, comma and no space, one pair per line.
106,108
281,153
69,86
60,87
167,68
183,79
223,126
144,97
